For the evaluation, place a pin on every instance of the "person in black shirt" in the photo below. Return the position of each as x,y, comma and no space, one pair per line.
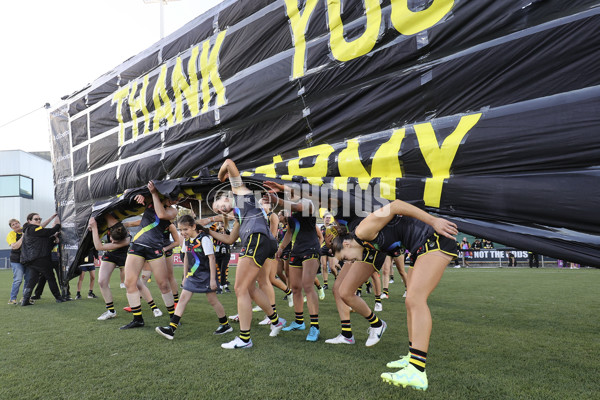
222,256
387,229
35,254
304,235
147,246
534,259
326,255
115,254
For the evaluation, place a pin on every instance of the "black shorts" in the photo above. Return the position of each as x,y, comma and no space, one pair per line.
87,267
146,253
285,254
117,259
259,248
374,258
219,257
296,260
436,243
399,252
325,251
169,253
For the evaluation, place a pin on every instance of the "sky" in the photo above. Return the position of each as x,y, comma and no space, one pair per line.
49,49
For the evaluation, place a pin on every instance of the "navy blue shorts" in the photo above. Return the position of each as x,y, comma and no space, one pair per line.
87,267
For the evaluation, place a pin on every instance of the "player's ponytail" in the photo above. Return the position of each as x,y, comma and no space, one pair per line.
200,228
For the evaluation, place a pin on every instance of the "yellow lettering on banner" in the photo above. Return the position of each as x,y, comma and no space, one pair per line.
299,22
408,22
181,87
315,173
118,98
162,110
343,50
386,164
269,169
139,104
350,165
439,158
210,73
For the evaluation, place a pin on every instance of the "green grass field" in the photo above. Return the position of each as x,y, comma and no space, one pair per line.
497,334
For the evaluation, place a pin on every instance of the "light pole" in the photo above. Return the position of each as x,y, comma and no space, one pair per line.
162,14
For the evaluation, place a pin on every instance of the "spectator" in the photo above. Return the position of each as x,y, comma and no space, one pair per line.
39,289
464,245
222,255
512,260
459,252
533,260
15,239
476,245
487,244
35,255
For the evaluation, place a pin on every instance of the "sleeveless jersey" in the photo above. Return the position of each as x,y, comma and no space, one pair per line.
152,228
304,234
401,231
197,260
251,218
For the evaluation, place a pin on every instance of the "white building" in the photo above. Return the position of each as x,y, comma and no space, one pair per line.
26,186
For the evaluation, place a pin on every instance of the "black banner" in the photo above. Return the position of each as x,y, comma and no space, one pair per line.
483,111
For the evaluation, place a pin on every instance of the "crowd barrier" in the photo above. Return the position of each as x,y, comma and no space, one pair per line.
500,256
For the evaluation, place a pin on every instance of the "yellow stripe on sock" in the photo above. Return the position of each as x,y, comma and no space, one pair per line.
417,362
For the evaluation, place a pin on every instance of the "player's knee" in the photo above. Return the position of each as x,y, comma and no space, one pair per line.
413,302
346,294
131,285
164,287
